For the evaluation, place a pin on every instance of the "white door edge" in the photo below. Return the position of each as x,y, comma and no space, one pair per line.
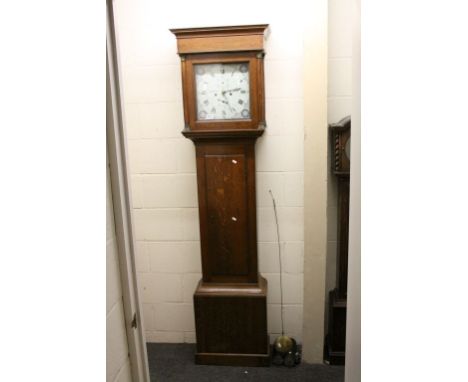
117,153
353,315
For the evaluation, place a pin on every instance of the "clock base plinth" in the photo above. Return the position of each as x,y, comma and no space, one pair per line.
335,342
231,324
334,357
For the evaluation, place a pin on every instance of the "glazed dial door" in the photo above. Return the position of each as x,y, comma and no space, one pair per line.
222,91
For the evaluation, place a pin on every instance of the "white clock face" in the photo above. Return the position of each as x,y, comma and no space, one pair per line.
222,91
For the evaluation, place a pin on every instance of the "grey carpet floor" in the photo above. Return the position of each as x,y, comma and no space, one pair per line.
175,363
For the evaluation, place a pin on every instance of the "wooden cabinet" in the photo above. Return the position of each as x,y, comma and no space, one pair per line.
224,110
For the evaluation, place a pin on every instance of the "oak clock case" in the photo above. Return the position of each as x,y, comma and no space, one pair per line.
335,342
223,97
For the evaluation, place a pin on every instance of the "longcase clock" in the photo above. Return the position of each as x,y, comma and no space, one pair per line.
336,338
224,112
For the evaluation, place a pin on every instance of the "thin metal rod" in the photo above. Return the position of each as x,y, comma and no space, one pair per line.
280,263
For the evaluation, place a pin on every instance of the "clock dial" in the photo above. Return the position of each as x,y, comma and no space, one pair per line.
222,91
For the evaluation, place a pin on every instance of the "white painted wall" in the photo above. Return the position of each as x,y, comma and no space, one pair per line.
163,162
117,360
340,22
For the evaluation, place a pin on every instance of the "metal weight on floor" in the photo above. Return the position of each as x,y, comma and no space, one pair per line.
286,352
283,344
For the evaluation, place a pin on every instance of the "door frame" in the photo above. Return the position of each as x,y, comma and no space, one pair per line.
353,318
117,153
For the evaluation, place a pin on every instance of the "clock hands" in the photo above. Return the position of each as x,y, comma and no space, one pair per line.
227,102
230,90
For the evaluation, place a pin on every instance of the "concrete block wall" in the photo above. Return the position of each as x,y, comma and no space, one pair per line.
339,106
162,161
